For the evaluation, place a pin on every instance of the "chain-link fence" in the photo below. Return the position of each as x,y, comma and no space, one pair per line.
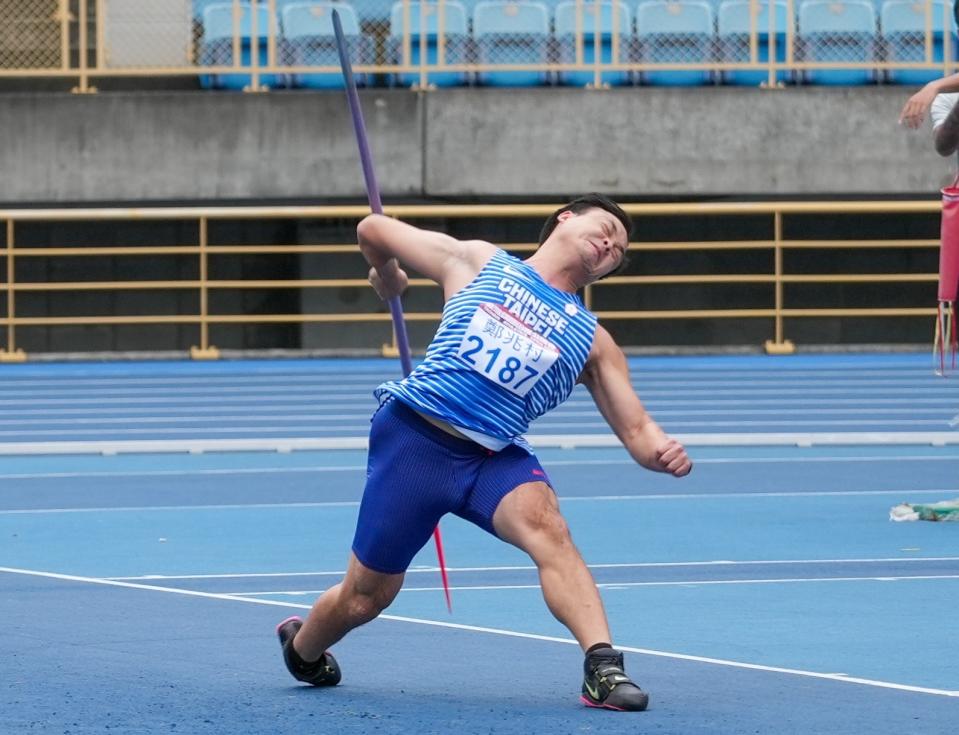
145,33
34,34
289,43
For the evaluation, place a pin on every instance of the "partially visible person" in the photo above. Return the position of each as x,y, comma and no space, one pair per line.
938,98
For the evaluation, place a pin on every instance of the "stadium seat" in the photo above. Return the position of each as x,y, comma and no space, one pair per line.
614,43
675,32
508,32
837,30
903,24
200,6
430,17
216,48
735,23
309,40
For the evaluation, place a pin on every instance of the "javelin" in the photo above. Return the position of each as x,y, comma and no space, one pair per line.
376,206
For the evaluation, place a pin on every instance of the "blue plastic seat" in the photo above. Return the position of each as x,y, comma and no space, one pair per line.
508,32
309,40
614,44
425,21
735,22
216,49
675,32
838,30
903,25
200,6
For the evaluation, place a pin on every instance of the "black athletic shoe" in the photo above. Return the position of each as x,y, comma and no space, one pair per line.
322,673
606,684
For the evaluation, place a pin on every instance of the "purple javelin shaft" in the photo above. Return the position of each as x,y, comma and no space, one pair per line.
369,175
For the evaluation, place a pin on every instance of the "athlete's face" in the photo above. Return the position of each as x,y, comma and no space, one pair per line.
597,237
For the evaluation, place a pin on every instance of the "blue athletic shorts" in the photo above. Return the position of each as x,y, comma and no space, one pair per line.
416,473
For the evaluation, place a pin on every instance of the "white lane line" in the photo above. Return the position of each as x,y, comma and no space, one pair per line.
187,473
562,499
160,406
120,384
548,464
563,441
530,567
770,494
494,631
942,392
362,426
180,508
287,418
936,416
358,428
940,422
626,585
904,370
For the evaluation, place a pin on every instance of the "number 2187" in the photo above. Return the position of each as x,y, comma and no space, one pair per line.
504,371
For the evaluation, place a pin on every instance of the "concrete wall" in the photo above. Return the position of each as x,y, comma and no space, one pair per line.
633,143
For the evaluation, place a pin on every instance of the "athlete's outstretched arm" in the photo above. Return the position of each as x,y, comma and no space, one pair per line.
607,377
450,262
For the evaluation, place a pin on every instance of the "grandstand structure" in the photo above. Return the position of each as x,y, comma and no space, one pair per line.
288,43
182,174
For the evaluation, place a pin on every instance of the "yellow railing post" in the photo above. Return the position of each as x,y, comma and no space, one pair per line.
254,47
82,43
63,15
392,349
407,40
205,351
11,353
790,35
946,37
578,32
597,46
424,46
754,39
779,346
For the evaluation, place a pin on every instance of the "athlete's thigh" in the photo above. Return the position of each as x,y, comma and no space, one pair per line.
411,484
499,477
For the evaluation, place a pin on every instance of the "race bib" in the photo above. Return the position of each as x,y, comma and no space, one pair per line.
503,349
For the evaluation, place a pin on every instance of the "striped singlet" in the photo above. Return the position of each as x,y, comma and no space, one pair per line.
508,349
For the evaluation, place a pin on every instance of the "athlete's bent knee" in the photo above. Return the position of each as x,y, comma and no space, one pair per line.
362,608
547,526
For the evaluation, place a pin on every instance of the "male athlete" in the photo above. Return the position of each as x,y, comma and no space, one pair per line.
513,341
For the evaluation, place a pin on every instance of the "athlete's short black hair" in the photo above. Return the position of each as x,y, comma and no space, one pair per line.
582,204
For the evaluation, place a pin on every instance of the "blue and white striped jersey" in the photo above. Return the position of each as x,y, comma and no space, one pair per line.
508,349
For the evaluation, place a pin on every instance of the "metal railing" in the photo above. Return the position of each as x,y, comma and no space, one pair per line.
261,44
199,251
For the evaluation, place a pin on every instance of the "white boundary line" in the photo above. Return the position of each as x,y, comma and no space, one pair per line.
549,463
530,567
562,499
629,585
935,414
495,631
564,441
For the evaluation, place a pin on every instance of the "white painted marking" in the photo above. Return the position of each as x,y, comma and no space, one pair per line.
571,498
544,441
529,567
563,498
496,631
629,585
937,416
549,463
